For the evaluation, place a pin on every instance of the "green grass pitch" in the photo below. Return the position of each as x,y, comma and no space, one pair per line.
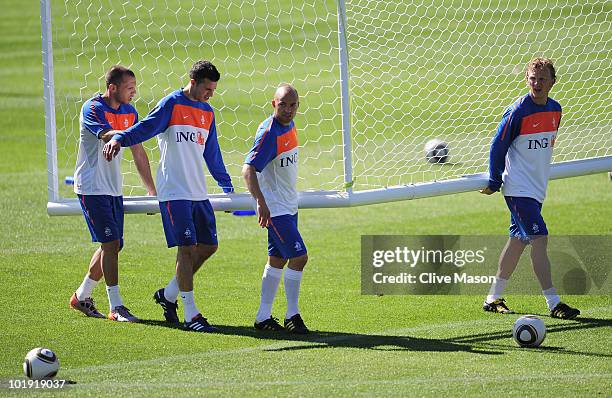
363,345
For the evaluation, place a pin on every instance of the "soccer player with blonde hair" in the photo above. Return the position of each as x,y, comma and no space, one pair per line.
519,164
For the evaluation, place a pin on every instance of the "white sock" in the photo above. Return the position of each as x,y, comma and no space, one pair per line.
87,286
269,284
189,306
114,298
552,298
171,290
497,289
292,291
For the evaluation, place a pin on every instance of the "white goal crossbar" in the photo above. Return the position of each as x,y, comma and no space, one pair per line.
330,199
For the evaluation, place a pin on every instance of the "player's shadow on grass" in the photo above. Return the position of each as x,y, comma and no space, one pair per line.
487,339
320,339
480,343
156,322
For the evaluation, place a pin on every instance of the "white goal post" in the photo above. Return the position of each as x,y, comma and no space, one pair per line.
377,80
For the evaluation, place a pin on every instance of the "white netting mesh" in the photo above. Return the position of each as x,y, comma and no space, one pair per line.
418,70
447,69
255,45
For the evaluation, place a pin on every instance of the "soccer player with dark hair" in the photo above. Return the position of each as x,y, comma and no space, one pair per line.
185,126
116,74
98,185
519,164
270,172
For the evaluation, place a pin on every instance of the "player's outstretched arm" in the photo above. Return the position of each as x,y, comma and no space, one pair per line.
250,177
144,168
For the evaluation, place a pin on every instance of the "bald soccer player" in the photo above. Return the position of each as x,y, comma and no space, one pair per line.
270,171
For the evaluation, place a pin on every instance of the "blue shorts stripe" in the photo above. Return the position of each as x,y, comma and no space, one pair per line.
276,231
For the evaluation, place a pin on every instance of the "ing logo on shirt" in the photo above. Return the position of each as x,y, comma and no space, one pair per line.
289,160
541,143
189,136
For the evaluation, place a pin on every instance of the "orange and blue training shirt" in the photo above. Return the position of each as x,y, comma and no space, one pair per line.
522,149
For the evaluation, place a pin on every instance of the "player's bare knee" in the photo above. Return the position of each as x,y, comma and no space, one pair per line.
298,263
203,252
111,247
539,239
187,253
539,242
518,242
277,262
209,250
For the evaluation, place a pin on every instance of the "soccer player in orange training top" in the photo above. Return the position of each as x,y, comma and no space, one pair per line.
270,172
519,163
186,128
99,186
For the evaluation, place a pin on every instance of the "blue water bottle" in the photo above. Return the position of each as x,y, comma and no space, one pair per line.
242,213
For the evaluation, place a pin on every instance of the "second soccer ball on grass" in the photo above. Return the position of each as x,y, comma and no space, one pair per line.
529,331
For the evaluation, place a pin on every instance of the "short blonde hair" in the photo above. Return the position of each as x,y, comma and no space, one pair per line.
540,63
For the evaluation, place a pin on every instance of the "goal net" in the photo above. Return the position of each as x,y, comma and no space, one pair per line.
377,80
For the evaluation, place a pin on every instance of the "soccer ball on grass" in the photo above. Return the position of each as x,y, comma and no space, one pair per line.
40,363
529,331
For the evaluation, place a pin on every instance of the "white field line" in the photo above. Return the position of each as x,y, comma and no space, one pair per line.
351,383
297,343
